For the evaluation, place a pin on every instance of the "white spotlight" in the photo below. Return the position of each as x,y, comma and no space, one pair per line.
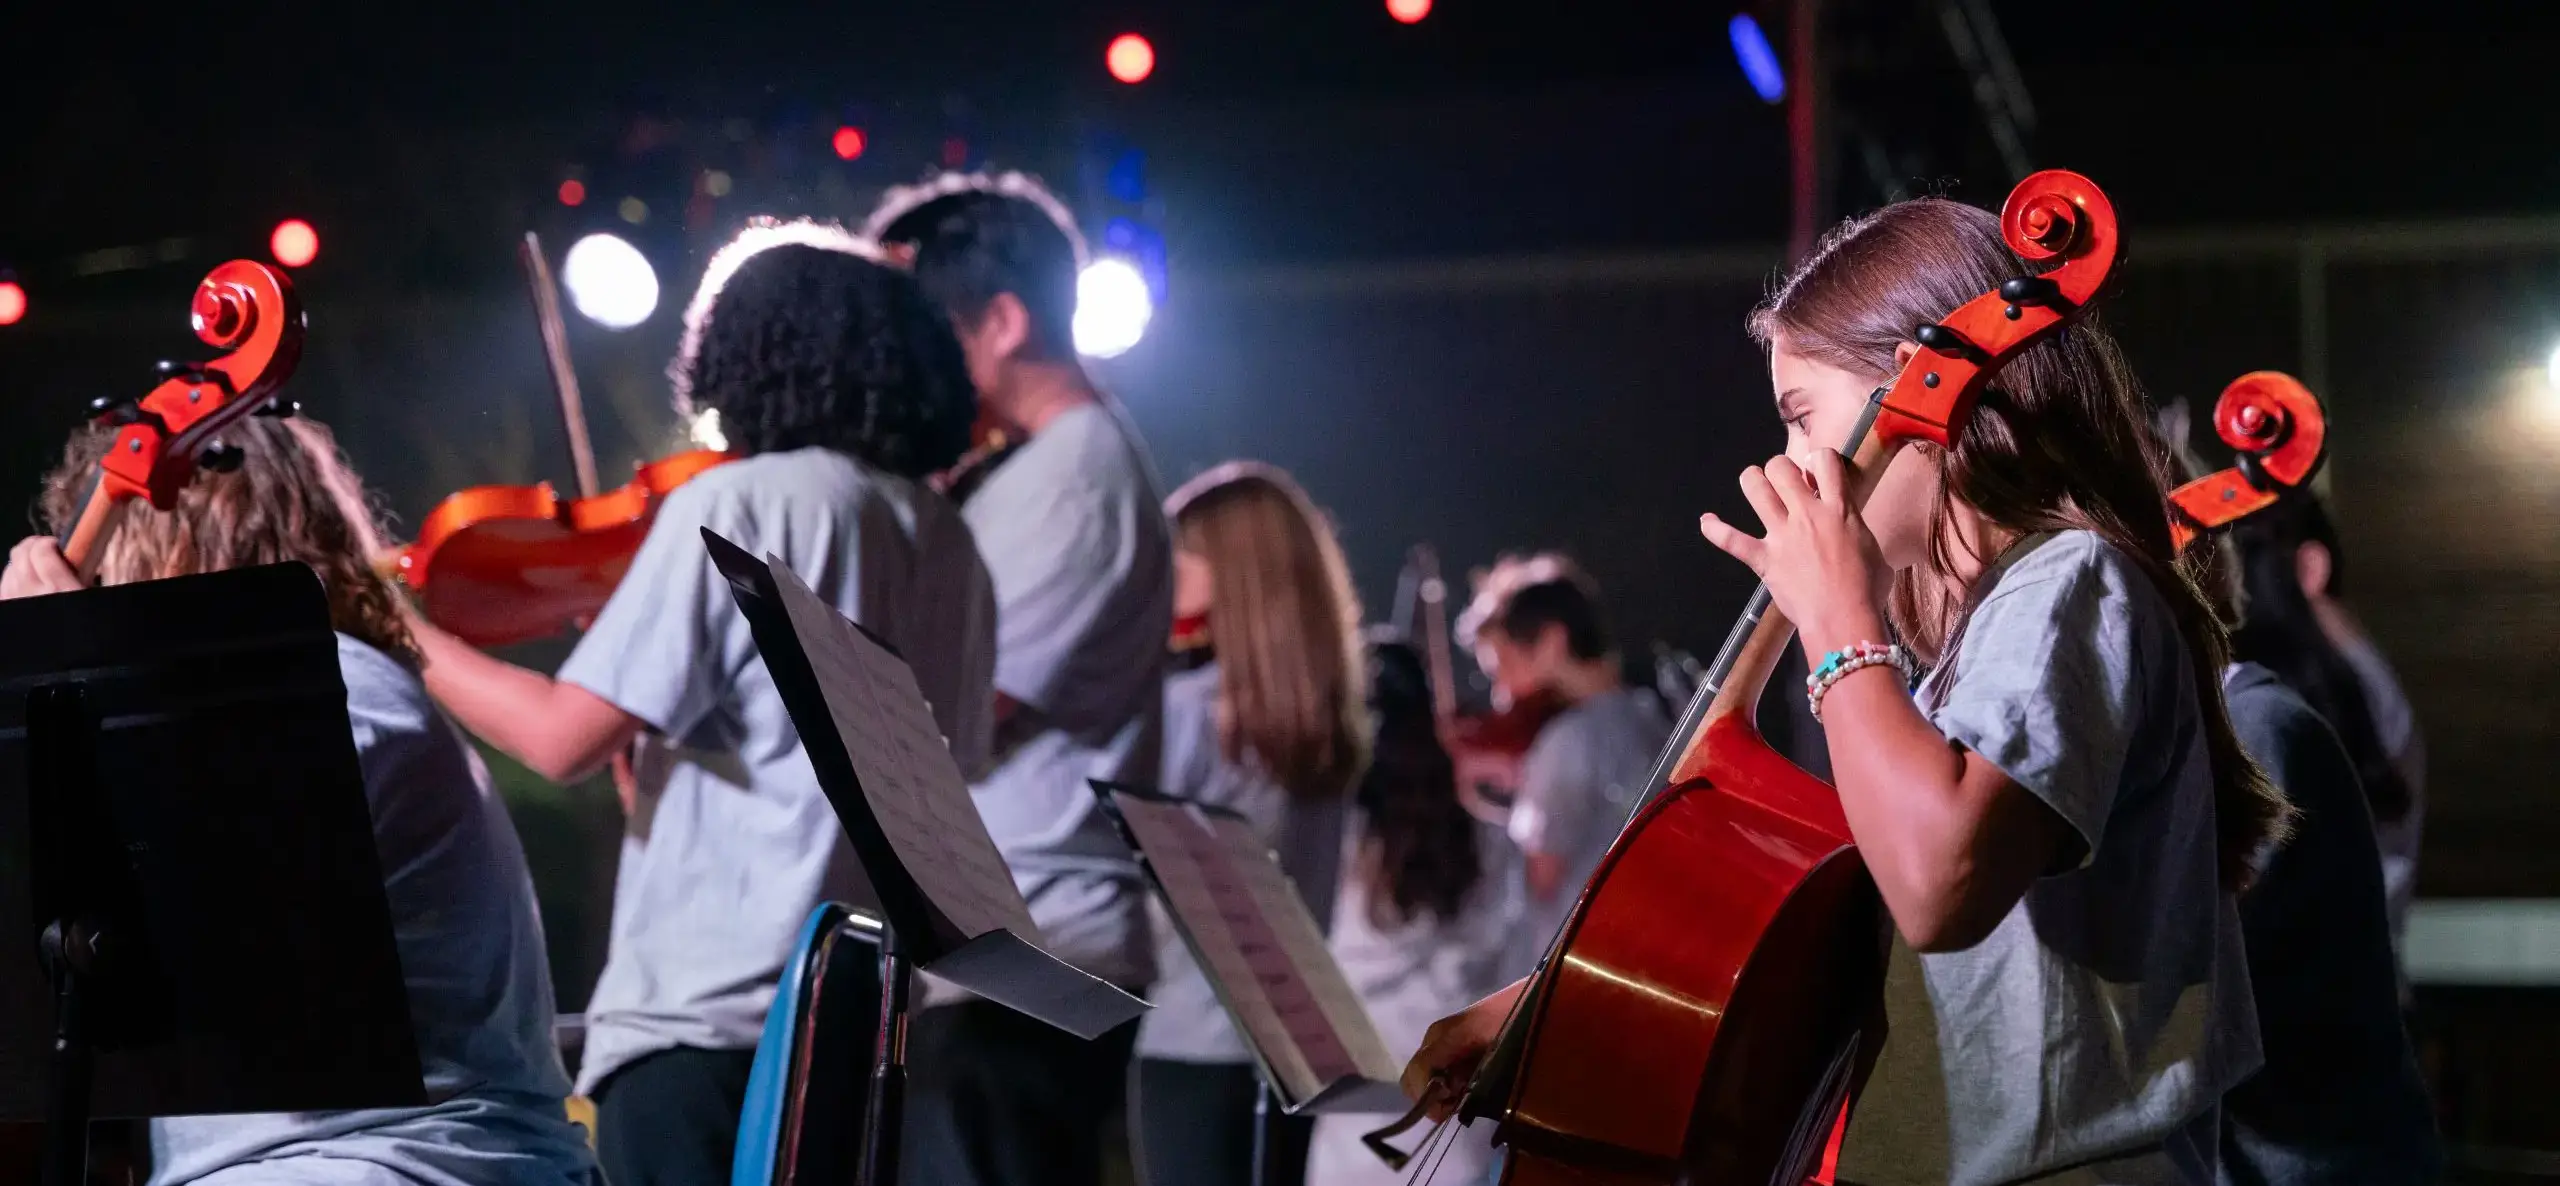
1112,308
2555,369
610,281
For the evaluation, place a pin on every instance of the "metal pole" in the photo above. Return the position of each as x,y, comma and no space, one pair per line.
1804,126
1262,1132
882,1128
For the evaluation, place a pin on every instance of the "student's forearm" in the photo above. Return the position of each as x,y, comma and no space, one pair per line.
1940,828
560,732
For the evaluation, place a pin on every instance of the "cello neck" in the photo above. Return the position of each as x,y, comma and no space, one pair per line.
1757,643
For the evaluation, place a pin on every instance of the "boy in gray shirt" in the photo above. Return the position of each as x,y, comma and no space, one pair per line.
1072,528
1537,631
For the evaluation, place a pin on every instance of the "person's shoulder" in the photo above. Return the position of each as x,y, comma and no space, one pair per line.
380,686
812,472
1094,450
2074,566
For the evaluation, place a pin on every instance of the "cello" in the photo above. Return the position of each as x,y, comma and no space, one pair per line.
1710,1007
497,565
2281,433
165,436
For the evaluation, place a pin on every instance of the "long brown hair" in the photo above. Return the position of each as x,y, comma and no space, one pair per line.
292,499
1292,687
2060,443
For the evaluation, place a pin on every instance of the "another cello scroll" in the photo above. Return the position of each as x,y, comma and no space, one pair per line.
2282,434
165,436
1709,1009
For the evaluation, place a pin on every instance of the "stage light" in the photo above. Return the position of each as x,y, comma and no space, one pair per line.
13,302
573,192
718,183
706,433
610,281
1112,308
1130,58
294,243
634,211
2555,370
1409,11
1759,62
849,142
955,153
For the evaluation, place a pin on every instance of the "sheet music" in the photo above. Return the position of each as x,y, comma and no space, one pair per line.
909,778
1255,937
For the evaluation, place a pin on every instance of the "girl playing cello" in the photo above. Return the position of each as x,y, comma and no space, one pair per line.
2059,821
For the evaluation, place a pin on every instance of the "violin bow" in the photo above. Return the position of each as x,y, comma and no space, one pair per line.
555,349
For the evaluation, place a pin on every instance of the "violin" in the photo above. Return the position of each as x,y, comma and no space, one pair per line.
1710,1009
165,436
1486,747
2281,432
990,443
497,565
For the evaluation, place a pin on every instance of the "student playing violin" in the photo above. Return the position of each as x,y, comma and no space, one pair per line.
843,387
2059,821
462,907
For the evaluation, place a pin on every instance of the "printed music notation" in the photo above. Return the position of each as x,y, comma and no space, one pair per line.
1253,933
909,778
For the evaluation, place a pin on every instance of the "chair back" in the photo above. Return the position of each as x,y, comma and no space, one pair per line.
811,1084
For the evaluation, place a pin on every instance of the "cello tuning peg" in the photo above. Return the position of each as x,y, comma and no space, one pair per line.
1941,340
118,410
279,408
221,457
2030,290
170,368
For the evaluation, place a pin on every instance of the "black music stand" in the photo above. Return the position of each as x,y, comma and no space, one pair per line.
1313,1044
191,911
948,904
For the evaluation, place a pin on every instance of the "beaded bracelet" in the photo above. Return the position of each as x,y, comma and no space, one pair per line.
1856,657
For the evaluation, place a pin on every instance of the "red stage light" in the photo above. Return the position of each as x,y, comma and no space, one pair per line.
573,192
1409,11
13,302
1130,58
294,243
849,142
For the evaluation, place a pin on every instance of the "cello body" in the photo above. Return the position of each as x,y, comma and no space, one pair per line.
1678,1045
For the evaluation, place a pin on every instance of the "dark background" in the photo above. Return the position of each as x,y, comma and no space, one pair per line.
1478,281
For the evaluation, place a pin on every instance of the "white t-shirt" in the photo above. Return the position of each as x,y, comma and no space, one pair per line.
480,998
1579,782
723,863
1074,534
1188,1024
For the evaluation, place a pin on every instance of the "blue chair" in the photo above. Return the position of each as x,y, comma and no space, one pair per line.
811,1085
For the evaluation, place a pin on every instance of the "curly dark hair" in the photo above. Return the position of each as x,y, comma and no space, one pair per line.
977,235
801,336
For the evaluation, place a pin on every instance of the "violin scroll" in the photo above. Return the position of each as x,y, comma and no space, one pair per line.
2281,432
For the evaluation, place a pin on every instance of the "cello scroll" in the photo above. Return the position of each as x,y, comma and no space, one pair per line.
2282,434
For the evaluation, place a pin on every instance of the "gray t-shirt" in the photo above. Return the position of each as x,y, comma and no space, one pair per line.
2091,1036
1305,832
1074,534
470,945
724,859
1578,784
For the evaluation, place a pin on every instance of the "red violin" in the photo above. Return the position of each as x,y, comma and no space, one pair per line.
164,437
2282,434
506,564
1485,747
1710,1009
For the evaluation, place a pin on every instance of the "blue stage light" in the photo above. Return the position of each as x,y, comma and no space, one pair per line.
1759,62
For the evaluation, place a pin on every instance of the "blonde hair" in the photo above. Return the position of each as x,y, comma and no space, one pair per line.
292,499
1292,683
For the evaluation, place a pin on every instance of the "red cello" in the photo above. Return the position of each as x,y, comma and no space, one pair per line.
1709,1010
164,437
2282,434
